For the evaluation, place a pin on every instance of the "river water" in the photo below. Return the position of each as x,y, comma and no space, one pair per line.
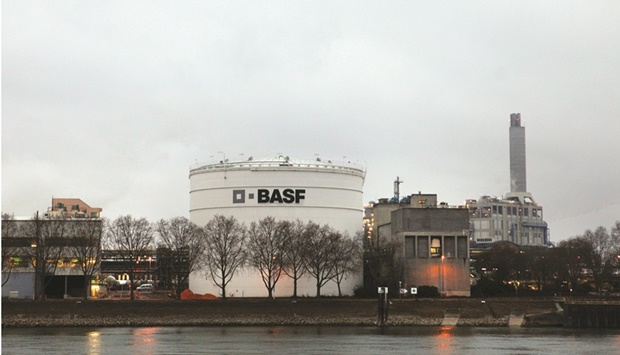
309,340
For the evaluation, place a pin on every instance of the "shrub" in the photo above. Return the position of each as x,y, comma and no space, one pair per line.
428,292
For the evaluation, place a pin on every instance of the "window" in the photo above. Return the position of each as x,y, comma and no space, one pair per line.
75,207
435,247
409,246
449,247
422,247
462,247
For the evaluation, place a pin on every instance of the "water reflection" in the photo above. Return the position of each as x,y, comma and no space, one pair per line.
94,343
443,339
144,340
314,340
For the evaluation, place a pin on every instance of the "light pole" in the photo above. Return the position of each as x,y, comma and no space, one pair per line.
441,272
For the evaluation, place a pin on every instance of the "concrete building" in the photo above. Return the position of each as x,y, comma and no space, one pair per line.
434,239
323,192
517,217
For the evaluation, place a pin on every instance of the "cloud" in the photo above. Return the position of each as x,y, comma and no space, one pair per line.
112,101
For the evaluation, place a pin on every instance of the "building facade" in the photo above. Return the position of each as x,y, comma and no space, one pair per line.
68,241
73,208
323,192
433,238
516,218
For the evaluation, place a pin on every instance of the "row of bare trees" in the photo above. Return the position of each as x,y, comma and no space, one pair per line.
590,258
274,248
597,252
224,246
221,248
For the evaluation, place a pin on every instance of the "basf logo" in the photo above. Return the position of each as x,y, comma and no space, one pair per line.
270,196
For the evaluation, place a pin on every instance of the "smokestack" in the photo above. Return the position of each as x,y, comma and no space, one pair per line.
517,154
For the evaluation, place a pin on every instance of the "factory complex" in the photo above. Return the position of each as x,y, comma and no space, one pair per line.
425,242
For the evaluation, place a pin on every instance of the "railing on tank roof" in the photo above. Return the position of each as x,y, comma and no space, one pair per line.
277,163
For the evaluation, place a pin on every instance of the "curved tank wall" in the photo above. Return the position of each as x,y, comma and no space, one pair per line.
325,193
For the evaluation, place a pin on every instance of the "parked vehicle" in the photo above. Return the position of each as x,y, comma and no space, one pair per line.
145,288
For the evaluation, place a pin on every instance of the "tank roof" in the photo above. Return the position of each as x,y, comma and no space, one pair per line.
280,162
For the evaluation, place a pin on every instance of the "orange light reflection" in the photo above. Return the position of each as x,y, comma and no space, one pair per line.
444,337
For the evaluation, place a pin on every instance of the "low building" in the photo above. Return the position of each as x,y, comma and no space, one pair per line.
114,263
433,239
69,242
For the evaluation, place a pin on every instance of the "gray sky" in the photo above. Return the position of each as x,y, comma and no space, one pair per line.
112,101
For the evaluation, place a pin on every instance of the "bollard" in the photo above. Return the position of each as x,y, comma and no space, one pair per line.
383,305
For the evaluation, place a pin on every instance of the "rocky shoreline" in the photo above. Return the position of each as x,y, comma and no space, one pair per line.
31,314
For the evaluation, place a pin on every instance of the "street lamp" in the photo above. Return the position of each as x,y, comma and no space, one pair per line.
149,271
441,266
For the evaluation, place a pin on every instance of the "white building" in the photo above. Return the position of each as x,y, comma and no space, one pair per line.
516,218
318,191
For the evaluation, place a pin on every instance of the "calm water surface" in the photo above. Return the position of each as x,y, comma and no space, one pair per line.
309,340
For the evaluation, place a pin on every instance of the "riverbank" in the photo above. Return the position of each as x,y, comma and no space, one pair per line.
285,312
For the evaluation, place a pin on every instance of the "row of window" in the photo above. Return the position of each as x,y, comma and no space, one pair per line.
24,262
435,247
483,212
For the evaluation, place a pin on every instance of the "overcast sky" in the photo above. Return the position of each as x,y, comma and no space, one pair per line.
112,101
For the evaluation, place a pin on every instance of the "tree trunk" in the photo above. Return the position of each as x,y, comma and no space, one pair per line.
86,286
318,289
294,288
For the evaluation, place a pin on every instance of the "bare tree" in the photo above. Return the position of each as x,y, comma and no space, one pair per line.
615,241
9,235
185,246
321,250
84,244
131,238
295,254
267,248
382,267
46,237
603,257
348,258
225,241
575,251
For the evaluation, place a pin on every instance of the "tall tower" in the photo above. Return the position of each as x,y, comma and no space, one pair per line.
517,154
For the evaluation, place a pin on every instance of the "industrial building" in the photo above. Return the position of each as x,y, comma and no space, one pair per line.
59,236
516,217
324,192
434,240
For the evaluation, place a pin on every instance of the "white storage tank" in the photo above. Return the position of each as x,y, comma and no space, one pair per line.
286,189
